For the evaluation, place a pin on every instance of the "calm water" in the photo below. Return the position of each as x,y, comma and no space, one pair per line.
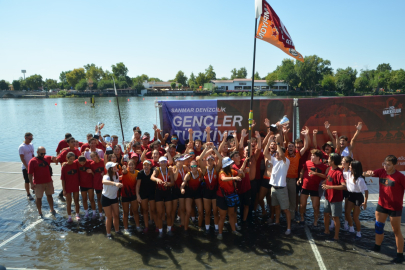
49,119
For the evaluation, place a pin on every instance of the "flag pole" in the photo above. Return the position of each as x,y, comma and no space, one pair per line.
252,92
119,113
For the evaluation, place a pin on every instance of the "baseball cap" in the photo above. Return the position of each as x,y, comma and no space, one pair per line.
110,165
162,159
144,137
147,161
133,155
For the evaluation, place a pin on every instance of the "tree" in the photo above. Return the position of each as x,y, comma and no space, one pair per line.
94,73
192,79
51,84
239,74
381,79
311,71
81,85
104,84
345,79
224,78
75,76
138,81
119,70
107,75
16,85
384,67
155,79
287,73
329,82
362,84
4,85
173,85
397,80
88,66
257,76
34,81
62,76
210,73
201,79
271,78
179,86
181,78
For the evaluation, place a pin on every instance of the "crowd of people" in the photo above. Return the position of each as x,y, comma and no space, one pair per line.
165,181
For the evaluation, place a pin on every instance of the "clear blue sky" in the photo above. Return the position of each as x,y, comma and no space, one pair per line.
160,37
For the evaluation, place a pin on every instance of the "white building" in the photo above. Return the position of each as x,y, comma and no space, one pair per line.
158,85
244,85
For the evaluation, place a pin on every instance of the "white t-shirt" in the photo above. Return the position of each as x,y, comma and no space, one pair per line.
110,191
279,172
359,186
346,152
99,152
346,174
28,151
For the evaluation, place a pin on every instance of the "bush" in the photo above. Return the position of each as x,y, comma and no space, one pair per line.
81,85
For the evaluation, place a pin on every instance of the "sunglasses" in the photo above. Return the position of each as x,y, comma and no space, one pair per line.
42,154
30,139
193,166
191,153
174,139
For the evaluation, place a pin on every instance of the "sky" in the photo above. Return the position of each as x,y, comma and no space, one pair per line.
158,38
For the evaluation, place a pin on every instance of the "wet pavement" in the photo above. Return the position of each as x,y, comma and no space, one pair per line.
51,243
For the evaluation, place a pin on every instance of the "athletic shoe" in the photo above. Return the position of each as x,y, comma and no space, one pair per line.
40,216
219,237
216,231
53,212
332,240
119,233
160,235
138,229
238,228
109,236
94,216
101,218
61,198
70,220
145,230
29,197
346,227
236,233
398,260
351,230
206,232
287,232
126,232
170,233
86,216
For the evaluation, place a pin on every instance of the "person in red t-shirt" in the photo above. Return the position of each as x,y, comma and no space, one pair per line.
145,143
312,174
333,185
86,185
40,178
63,144
243,187
72,149
210,185
154,160
70,183
98,167
390,201
226,179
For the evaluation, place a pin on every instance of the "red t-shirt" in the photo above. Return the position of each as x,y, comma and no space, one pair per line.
198,152
62,144
226,186
62,156
258,164
85,178
334,178
129,184
86,145
391,189
40,170
214,179
147,147
149,154
139,166
70,174
154,163
303,159
98,170
312,182
244,185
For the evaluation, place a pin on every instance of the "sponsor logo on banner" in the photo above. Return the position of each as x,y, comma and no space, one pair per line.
202,110
392,111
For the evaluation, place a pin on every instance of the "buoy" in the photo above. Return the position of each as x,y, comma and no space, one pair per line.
156,98
176,96
110,100
143,98
56,104
167,97
128,99
85,102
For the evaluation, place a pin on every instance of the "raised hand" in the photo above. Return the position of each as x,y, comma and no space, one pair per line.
190,130
154,127
257,135
208,129
334,133
253,123
359,126
267,122
234,134
327,125
285,129
315,131
166,136
124,168
225,134
244,133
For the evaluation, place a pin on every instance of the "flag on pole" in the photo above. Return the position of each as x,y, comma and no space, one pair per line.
272,30
258,8
115,89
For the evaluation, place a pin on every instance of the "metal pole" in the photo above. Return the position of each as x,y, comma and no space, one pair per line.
252,91
119,113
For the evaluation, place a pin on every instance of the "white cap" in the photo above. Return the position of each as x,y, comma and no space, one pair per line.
110,165
162,159
226,162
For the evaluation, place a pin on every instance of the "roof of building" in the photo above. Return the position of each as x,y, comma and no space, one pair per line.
160,83
241,80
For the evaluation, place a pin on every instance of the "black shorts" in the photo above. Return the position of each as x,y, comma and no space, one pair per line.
298,189
162,195
391,213
245,197
83,189
98,191
266,183
345,194
147,194
128,199
356,197
210,194
255,186
25,175
176,194
312,193
105,202
193,194
221,203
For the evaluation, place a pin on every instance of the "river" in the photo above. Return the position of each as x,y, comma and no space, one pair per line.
49,119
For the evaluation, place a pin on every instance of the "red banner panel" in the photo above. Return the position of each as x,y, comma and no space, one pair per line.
383,131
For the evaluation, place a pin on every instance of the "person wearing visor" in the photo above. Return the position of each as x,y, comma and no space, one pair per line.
145,194
179,172
163,176
210,172
109,200
191,188
226,187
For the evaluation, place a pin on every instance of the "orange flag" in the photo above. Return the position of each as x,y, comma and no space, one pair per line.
272,30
